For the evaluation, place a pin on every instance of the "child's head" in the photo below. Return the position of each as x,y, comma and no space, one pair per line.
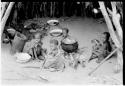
53,44
65,32
37,35
105,36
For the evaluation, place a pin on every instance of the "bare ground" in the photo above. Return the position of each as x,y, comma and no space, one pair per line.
84,30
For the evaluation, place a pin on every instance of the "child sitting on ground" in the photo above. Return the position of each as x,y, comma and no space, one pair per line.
54,61
34,47
53,48
95,49
106,47
101,48
81,57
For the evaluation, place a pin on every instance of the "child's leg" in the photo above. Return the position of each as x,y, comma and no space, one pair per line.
75,64
82,64
100,58
30,52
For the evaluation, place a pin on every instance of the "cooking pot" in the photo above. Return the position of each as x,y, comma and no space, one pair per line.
69,45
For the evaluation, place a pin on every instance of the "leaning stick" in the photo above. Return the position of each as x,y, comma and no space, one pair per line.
103,61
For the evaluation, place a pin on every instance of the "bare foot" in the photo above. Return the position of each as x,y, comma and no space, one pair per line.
99,60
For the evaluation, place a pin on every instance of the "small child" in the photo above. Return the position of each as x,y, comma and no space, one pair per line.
101,49
55,61
36,50
95,49
106,47
54,50
65,33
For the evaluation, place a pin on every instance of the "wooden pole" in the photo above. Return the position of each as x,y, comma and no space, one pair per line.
3,4
109,25
6,15
116,41
114,37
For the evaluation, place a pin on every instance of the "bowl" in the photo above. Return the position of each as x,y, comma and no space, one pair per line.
56,32
53,22
6,40
22,57
11,31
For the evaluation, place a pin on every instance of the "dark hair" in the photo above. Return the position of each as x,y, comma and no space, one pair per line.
66,30
107,35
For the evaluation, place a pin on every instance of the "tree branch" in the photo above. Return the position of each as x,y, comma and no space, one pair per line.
116,21
6,15
109,24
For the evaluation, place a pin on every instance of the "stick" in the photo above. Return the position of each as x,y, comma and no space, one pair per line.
6,15
103,61
43,64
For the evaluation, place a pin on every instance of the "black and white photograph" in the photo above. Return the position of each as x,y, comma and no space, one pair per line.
61,42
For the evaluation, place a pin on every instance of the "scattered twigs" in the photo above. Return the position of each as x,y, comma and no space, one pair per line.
43,64
103,61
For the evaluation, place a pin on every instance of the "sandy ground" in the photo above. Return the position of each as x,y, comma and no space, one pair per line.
84,30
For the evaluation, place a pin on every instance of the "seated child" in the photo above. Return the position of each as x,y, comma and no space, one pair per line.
101,49
35,47
106,47
84,56
53,48
95,49
55,60
81,57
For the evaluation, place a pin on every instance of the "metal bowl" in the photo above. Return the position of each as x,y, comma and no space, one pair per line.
56,32
53,22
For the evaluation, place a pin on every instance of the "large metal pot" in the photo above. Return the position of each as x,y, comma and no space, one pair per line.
69,45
